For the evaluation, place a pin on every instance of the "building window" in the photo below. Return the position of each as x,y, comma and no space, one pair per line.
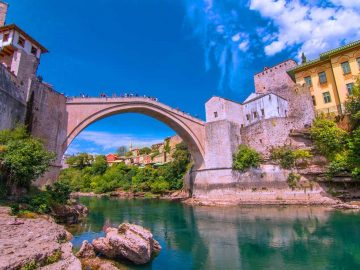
322,77
34,50
313,100
308,81
346,67
349,87
21,41
255,114
262,112
215,114
6,37
242,125
248,117
358,61
327,97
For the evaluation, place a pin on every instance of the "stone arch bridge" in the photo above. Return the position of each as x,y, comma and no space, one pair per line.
81,112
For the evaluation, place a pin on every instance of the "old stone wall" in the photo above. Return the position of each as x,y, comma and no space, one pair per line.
221,140
274,77
266,185
49,123
264,135
12,102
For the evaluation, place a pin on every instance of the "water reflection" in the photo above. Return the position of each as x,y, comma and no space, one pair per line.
234,238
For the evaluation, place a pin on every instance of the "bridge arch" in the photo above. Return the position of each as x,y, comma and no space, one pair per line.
81,112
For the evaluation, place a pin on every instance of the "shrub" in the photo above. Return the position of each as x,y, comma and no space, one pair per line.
22,158
327,137
352,105
30,266
59,192
287,157
293,180
246,158
159,185
338,165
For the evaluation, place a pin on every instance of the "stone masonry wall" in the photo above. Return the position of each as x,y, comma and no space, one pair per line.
12,104
49,123
221,141
274,77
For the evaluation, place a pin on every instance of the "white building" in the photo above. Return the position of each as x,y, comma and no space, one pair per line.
255,108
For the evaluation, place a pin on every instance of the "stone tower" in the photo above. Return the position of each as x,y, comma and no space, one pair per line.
3,11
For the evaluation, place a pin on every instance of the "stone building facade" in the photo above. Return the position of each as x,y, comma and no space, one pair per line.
331,77
25,99
264,120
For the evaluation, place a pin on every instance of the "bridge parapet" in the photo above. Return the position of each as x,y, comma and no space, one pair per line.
131,100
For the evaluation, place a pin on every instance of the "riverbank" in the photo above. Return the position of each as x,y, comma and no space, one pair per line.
177,195
34,242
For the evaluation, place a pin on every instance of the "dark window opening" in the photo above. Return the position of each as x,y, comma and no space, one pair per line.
322,77
262,112
313,100
6,37
248,117
349,88
346,67
327,97
34,50
255,114
21,41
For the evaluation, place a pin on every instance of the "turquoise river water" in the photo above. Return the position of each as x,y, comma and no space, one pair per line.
194,237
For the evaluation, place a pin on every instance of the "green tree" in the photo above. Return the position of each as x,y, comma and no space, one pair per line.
288,157
121,151
99,165
354,153
80,161
246,158
167,147
328,138
352,105
145,151
23,158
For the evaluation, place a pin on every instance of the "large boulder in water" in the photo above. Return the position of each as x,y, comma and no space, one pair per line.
130,242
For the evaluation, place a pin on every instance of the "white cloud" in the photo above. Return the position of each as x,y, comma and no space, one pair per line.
310,28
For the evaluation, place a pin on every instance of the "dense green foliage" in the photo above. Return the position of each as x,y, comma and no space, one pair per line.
22,158
41,201
145,151
353,105
340,147
328,138
246,158
288,157
100,178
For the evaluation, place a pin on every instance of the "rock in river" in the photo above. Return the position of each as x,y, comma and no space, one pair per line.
130,242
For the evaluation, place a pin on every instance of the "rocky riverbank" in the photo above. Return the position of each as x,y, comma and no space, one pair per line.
177,195
38,242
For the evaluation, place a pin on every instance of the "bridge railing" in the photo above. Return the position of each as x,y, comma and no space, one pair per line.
114,99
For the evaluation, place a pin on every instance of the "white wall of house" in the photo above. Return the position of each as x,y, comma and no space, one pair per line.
218,108
265,107
257,107
14,40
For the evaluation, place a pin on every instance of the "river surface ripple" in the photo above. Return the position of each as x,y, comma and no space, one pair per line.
261,237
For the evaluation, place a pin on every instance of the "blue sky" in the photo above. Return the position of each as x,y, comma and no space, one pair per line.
181,51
